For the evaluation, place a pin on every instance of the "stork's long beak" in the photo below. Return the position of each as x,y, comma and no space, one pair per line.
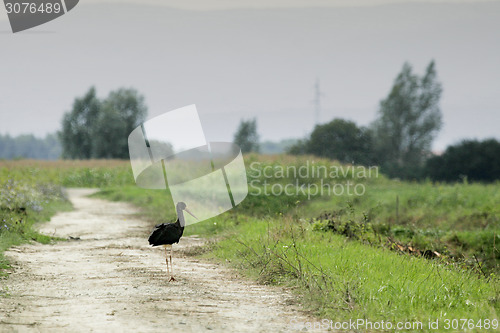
187,210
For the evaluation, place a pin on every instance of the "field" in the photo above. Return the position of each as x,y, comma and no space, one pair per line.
369,247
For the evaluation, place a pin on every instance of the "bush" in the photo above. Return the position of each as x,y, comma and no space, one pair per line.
471,159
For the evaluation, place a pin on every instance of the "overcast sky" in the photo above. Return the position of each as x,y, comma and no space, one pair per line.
234,62
226,4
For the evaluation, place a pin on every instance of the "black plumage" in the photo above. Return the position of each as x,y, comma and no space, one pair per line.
166,233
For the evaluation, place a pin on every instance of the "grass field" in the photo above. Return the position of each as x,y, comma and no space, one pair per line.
346,255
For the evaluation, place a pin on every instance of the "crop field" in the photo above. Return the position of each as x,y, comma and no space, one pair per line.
350,242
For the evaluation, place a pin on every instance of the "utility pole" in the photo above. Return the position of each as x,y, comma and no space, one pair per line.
317,101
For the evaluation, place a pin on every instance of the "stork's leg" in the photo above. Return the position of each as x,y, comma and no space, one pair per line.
171,265
166,258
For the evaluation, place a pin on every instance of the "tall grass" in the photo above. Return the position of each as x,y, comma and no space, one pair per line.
461,221
69,173
341,279
22,205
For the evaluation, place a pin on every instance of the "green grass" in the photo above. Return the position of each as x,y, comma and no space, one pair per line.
340,279
427,205
69,173
21,207
461,221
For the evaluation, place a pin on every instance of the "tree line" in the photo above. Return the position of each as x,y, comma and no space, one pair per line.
29,146
400,138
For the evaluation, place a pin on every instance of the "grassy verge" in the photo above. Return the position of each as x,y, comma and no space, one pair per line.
458,221
340,279
21,207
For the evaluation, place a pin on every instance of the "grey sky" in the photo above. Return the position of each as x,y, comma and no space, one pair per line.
260,63
227,4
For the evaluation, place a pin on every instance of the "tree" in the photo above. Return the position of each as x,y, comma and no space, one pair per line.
475,160
246,136
342,140
99,129
78,126
121,112
339,139
408,121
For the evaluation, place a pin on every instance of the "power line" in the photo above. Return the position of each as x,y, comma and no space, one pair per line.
317,101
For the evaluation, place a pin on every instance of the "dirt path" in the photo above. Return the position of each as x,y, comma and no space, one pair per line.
111,280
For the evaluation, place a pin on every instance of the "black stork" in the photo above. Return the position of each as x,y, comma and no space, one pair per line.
167,234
